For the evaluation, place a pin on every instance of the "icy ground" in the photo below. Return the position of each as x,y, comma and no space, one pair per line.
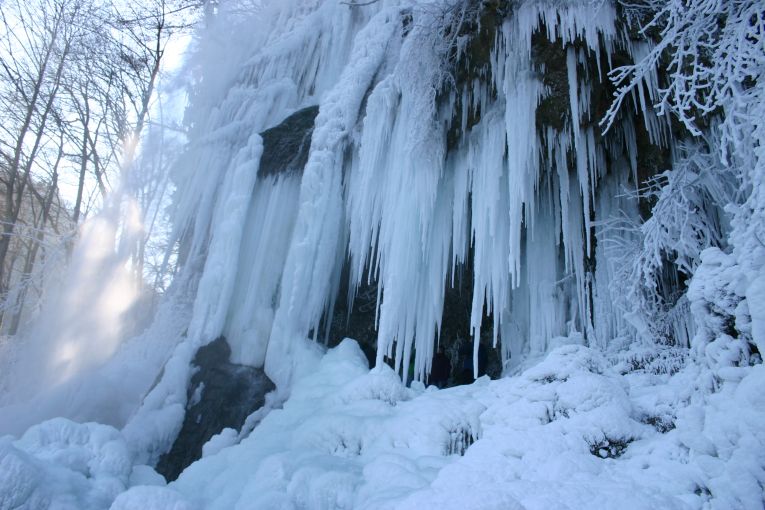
577,430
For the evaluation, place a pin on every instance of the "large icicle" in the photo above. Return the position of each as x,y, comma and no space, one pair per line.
316,241
216,286
269,226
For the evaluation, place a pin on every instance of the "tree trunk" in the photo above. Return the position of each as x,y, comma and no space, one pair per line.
29,263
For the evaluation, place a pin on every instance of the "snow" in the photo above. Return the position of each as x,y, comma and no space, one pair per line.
571,431
227,437
67,465
755,295
151,498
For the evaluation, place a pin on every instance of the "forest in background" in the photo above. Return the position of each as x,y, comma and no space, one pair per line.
81,85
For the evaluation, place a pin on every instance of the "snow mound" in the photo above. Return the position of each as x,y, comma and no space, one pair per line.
570,432
227,437
151,498
67,465
574,431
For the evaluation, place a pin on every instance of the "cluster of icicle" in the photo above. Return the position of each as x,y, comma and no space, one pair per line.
382,193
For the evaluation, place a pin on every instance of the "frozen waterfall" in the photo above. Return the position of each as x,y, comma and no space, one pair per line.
434,151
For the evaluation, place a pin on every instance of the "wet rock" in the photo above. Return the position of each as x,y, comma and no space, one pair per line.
286,146
221,395
359,323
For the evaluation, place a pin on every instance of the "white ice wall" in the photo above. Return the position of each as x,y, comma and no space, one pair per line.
521,203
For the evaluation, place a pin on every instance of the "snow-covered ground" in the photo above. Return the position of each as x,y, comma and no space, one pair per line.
578,430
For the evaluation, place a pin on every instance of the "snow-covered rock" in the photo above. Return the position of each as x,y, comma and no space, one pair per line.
65,465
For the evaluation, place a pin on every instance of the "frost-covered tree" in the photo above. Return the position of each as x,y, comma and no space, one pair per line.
687,217
79,85
709,56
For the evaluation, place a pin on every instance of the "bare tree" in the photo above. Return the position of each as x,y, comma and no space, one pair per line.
38,40
146,32
78,86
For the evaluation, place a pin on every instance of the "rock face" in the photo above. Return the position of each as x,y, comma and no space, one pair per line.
221,395
359,323
285,147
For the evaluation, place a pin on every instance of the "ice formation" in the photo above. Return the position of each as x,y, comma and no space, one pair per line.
381,189
533,208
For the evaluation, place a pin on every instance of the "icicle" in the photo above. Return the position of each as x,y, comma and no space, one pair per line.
490,193
268,228
216,285
383,190
305,285
364,204
547,314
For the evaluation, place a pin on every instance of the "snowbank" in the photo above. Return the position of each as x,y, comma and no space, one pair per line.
578,430
65,465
